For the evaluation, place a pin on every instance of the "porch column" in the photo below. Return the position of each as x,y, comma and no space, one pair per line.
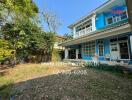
74,32
66,53
94,22
77,52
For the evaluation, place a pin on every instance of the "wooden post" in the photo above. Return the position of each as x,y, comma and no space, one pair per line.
129,9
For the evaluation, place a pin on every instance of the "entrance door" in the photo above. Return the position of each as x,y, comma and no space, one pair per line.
72,54
115,51
124,50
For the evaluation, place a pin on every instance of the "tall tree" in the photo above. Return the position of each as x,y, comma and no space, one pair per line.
52,20
20,13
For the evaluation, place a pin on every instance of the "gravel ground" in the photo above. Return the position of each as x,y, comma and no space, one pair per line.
79,84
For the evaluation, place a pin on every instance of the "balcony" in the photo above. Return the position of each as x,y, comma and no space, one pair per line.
83,32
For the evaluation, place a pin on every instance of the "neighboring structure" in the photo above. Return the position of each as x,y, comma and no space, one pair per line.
58,51
58,40
105,32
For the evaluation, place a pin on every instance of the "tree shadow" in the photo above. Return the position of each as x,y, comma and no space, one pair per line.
70,85
51,87
3,70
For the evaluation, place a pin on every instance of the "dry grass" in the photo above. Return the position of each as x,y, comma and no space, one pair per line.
28,71
45,82
25,72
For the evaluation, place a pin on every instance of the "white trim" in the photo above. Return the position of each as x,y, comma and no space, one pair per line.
84,48
94,23
118,47
77,52
116,21
66,53
131,42
116,17
103,48
99,34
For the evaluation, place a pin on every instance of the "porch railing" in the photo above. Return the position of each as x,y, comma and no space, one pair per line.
83,32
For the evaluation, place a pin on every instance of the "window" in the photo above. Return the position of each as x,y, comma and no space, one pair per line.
124,15
114,47
101,47
115,19
89,48
109,20
118,18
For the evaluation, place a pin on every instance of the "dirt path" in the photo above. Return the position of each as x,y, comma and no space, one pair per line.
91,85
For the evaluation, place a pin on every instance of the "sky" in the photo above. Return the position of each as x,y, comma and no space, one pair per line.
68,11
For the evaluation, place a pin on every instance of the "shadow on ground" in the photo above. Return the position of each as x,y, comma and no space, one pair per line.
73,85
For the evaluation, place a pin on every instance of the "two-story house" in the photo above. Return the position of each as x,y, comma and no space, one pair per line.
104,32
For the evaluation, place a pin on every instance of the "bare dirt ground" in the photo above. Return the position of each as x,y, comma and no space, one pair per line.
75,84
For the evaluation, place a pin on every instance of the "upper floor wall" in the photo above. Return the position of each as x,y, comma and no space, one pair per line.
109,18
113,12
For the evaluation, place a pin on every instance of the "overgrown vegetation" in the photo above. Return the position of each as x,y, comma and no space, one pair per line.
21,37
25,72
116,69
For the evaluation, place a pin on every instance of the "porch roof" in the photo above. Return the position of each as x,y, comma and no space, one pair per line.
104,33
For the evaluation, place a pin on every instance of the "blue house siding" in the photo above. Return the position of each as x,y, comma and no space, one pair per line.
83,55
101,18
106,50
100,21
106,46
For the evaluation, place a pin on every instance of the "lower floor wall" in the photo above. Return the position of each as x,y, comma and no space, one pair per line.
114,48
101,49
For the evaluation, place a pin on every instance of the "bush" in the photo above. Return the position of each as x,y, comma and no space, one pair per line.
56,55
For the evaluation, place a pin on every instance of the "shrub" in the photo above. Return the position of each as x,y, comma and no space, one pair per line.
5,51
56,55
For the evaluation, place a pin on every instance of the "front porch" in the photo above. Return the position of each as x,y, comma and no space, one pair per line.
110,44
115,49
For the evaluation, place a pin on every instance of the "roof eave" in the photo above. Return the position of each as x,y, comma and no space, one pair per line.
89,15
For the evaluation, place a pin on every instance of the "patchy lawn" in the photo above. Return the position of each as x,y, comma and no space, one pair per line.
24,72
44,82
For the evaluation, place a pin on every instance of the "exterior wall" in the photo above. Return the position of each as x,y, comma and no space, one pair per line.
101,18
100,21
106,50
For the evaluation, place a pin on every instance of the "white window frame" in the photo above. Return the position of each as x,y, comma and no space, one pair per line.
116,18
99,49
107,20
89,44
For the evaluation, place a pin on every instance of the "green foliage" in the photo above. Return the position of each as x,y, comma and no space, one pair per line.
23,7
22,31
56,55
43,43
5,51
